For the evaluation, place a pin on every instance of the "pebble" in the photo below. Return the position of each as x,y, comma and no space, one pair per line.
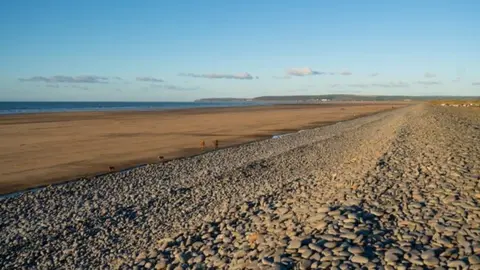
428,254
474,259
431,261
295,244
307,254
390,257
359,259
330,244
323,210
355,250
386,197
457,264
315,247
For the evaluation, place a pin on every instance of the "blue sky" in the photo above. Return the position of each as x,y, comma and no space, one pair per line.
184,50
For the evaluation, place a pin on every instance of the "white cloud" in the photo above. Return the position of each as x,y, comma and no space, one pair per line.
306,71
303,72
149,79
67,79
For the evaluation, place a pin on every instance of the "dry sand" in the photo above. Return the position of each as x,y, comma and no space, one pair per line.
40,149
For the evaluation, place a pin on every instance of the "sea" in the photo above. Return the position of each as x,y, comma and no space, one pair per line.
44,107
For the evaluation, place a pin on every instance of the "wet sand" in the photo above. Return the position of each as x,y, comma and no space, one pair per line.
41,149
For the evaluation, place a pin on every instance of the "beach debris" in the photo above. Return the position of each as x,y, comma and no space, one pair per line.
215,144
202,145
161,158
111,168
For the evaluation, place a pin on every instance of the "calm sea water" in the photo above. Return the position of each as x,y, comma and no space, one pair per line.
39,107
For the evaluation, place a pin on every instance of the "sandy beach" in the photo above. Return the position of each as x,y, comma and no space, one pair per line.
40,149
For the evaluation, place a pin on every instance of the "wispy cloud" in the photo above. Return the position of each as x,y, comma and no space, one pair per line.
429,82
303,72
52,85
456,79
149,79
306,71
374,74
118,78
174,87
476,83
240,76
429,75
67,79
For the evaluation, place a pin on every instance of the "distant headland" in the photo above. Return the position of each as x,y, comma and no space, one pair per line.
333,97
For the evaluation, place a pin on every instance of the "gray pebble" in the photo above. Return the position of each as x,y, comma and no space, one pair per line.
359,259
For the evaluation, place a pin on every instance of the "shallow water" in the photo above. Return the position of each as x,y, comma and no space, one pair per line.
39,107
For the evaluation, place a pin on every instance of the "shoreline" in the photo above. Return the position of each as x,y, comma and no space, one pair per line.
134,107
179,158
204,109
188,149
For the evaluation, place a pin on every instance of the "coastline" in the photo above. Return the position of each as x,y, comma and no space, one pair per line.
34,107
50,148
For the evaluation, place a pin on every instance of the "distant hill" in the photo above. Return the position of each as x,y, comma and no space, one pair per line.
334,97
223,100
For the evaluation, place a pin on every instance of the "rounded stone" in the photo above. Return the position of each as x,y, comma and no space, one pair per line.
474,259
431,261
355,250
391,258
360,259
295,244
